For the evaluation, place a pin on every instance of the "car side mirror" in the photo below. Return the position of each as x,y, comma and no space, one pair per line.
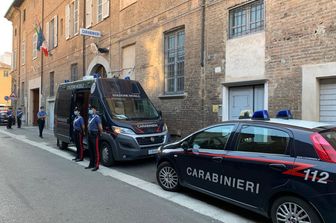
160,113
185,145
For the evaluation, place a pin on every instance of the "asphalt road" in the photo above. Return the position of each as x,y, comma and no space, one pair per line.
39,186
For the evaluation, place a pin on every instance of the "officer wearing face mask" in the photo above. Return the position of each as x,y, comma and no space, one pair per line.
78,133
95,129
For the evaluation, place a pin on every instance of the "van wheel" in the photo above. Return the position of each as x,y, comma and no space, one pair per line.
292,209
166,176
106,154
63,145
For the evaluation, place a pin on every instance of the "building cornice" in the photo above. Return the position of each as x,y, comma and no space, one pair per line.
15,4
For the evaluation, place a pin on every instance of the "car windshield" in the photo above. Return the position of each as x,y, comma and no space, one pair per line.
132,108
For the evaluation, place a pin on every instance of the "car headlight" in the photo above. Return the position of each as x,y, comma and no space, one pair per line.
165,128
120,130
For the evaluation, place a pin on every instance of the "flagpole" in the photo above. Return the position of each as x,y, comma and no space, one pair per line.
42,26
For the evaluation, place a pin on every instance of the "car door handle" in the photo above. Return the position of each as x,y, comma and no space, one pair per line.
278,166
217,159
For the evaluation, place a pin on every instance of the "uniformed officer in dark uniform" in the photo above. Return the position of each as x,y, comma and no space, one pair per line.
78,133
9,118
95,129
19,114
41,116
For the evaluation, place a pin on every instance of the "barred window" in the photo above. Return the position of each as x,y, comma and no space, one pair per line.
174,62
247,19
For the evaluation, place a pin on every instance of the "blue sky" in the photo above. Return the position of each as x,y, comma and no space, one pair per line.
5,28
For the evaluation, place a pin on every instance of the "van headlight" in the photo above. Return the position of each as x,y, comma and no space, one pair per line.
165,128
120,130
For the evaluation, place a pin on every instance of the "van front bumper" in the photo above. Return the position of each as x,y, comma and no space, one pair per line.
132,147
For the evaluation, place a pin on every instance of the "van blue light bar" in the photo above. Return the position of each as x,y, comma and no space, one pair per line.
285,114
261,115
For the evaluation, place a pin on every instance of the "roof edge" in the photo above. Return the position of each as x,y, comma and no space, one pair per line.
15,4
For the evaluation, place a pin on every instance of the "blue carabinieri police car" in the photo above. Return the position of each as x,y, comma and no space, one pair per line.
281,168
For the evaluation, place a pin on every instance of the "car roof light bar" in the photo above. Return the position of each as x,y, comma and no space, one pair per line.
284,114
245,114
261,115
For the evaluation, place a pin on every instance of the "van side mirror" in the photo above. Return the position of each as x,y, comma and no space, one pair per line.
160,113
185,145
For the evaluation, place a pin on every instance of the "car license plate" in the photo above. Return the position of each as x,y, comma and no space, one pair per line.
153,151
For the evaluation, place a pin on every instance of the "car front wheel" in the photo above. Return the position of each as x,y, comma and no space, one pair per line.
293,210
167,177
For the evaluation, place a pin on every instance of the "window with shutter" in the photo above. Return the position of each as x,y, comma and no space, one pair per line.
67,21
50,33
14,60
55,31
23,52
106,8
99,10
47,33
88,15
34,46
75,17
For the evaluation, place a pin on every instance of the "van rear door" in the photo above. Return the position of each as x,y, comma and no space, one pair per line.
63,114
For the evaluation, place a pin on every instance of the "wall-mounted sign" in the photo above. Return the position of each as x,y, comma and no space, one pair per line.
89,32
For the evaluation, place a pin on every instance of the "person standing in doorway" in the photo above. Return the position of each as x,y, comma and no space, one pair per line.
19,114
78,133
95,129
9,118
41,117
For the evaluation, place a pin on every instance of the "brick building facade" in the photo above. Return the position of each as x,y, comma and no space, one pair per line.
200,61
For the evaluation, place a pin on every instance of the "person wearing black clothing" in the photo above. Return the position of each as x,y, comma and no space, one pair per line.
9,118
78,132
19,114
95,129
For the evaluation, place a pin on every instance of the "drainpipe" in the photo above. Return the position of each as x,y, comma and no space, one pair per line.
202,32
202,63
84,50
18,54
42,22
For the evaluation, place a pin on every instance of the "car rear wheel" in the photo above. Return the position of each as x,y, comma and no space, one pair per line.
293,210
167,177
107,158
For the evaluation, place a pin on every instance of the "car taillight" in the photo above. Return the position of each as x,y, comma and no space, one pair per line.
323,148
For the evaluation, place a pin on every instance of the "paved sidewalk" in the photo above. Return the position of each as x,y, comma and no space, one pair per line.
32,133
